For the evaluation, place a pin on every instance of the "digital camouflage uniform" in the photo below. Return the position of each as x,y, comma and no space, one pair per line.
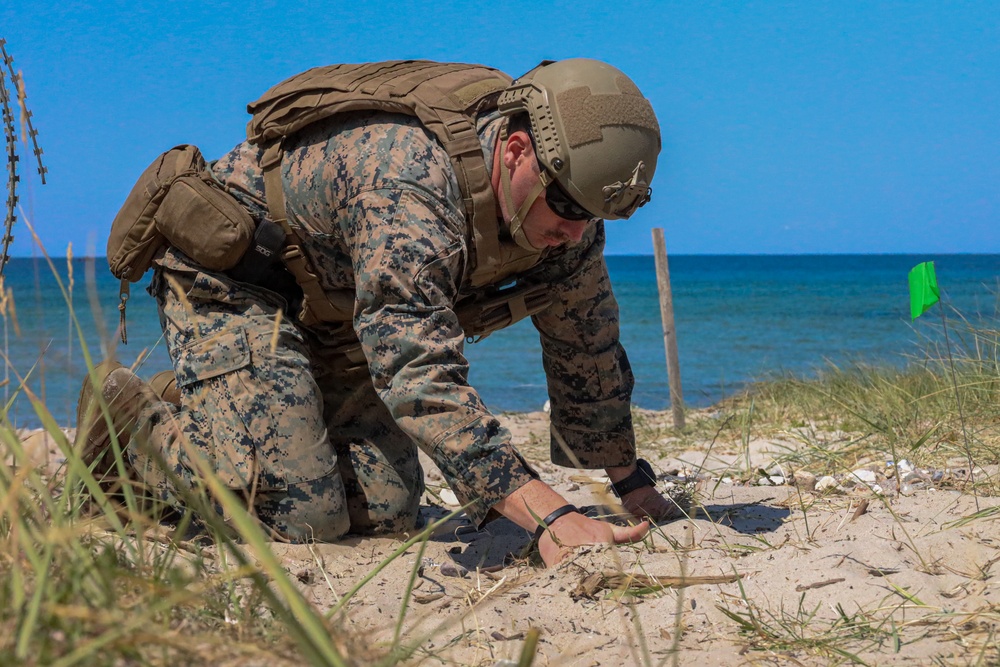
321,432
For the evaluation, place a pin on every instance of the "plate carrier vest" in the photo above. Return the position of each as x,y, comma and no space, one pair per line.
446,98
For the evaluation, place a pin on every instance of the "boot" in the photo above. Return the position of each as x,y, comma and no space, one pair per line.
125,396
164,385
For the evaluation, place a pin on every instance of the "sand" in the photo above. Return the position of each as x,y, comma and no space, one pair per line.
758,574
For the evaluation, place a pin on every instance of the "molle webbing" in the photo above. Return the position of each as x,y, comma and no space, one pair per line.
445,97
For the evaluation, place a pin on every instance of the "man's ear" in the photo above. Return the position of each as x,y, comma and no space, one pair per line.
517,144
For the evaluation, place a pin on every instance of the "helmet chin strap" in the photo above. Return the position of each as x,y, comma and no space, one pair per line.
517,219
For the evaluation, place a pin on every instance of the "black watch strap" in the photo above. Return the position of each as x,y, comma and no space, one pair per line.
643,476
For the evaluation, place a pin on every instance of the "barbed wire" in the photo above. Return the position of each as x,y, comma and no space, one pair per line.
28,131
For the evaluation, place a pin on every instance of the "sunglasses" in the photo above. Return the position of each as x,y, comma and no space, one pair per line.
563,205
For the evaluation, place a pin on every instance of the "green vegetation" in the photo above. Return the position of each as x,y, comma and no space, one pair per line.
940,411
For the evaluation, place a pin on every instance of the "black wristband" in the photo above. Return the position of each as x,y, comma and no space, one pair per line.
547,521
643,476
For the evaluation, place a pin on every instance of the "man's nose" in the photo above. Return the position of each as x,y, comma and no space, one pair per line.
574,229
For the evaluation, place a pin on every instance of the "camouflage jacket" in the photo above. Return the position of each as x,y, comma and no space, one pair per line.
377,205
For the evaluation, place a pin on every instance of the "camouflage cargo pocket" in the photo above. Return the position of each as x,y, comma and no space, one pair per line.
259,409
209,372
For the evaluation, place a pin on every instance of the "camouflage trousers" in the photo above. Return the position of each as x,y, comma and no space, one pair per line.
285,416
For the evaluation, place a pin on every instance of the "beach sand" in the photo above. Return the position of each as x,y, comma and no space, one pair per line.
820,578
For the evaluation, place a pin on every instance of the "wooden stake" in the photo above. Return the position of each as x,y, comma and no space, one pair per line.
669,333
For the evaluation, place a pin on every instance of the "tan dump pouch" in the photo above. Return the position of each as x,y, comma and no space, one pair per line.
205,223
176,201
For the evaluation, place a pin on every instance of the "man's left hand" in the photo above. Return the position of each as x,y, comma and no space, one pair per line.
648,503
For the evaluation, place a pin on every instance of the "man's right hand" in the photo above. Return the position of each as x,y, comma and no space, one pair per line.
576,530
538,499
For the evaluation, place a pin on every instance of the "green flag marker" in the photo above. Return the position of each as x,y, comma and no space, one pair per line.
923,289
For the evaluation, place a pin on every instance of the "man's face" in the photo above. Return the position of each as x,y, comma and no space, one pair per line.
542,226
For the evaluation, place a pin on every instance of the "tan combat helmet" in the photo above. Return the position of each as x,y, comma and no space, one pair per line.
595,135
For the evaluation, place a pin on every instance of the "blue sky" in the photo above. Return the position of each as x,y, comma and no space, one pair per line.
805,127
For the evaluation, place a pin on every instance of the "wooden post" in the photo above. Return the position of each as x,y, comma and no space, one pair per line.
669,333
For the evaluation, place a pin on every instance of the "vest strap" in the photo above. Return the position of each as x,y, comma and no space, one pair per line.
316,306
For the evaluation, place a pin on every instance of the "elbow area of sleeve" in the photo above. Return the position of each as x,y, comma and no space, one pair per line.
485,471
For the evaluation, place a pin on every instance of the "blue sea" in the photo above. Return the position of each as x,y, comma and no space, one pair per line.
738,319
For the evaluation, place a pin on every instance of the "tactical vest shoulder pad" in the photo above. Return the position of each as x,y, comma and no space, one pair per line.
440,95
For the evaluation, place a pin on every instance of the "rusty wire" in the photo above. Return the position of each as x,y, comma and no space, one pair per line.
10,137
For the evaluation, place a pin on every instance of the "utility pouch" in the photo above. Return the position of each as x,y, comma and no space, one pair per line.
177,201
204,222
498,308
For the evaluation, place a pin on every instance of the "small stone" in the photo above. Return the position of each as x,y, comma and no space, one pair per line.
777,480
726,480
827,484
448,497
902,468
864,476
804,480
453,570
763,481
876,489
914,481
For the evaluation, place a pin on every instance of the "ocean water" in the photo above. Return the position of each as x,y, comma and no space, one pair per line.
738,319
